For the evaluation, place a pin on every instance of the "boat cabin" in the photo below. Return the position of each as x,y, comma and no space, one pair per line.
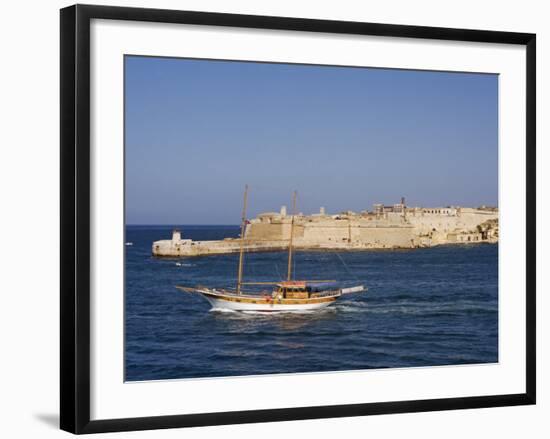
292,290
303,290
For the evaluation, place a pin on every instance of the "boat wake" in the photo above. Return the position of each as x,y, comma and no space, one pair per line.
348,308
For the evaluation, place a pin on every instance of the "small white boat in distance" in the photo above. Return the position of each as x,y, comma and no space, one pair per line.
286,296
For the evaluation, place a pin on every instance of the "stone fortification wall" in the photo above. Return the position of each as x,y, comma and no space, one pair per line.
405,229
463,219
399,227
187,247
355,233
267,230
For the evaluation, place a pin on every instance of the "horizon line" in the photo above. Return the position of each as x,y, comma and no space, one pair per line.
181,224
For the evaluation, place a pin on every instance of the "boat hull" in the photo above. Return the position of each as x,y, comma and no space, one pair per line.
221,304
263,304
227,300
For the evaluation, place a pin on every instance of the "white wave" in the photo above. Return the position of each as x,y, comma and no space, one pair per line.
348,308
226,310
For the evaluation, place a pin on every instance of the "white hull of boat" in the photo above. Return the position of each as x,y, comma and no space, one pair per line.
221,304
224,300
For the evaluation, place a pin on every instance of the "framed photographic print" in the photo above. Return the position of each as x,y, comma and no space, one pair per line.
274,218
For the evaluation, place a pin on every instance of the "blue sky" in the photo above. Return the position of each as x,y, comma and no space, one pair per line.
197,131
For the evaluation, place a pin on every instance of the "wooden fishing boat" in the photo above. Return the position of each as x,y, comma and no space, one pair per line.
285,296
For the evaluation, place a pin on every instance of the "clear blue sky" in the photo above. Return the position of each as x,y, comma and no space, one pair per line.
343,137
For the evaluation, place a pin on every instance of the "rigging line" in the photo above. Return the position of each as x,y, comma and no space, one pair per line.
346,267
243,230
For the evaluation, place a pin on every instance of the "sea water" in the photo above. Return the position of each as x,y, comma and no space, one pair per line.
424,307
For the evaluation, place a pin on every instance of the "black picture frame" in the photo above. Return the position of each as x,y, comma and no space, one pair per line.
75,217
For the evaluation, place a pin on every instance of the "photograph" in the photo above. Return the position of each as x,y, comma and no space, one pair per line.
295,218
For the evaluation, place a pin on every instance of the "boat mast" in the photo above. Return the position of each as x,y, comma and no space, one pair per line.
241,252
289,275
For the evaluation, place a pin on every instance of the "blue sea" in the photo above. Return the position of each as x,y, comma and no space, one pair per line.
424,307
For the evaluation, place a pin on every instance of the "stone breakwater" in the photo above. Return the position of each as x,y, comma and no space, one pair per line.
386,227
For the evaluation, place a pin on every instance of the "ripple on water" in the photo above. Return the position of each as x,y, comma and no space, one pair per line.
434,306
